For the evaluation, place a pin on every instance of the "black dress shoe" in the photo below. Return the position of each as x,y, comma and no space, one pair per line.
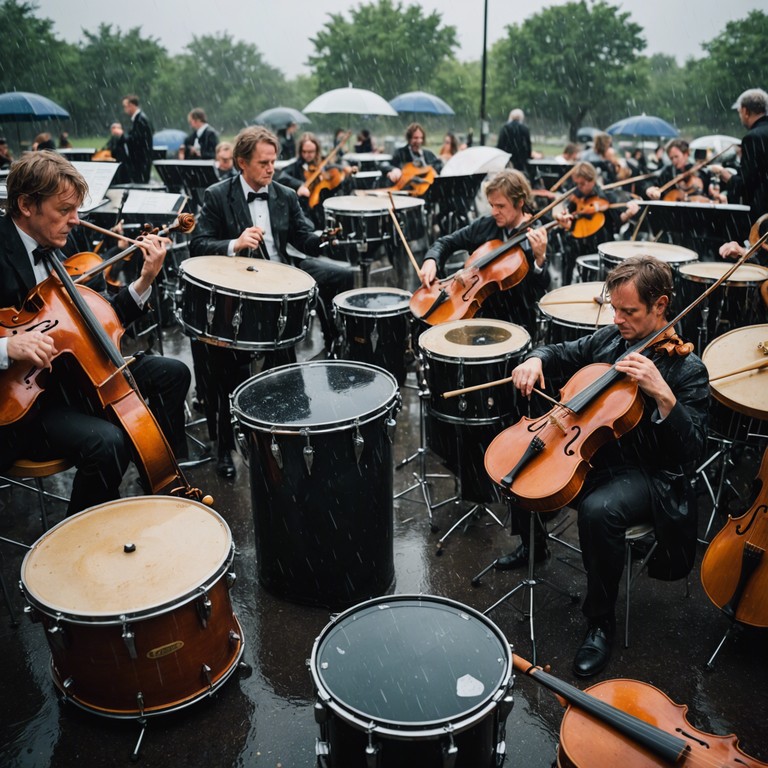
225,467
519,558
595,651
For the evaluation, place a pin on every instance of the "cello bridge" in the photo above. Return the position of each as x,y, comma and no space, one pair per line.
555,422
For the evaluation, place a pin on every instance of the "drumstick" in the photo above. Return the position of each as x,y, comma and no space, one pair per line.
751,367
497,382
402,236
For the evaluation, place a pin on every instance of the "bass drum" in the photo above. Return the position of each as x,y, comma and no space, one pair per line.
134,599
412,681
464,353
374,326
243,303
319,440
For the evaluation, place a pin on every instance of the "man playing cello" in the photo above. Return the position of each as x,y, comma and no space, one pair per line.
644,475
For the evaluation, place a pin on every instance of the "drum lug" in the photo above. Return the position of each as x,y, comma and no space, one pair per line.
276,452
282,321
34,615
321,713
240,438
358,442
129,638
210,308
140,703
234,638
375,336
390,425
309,451
205,671
57,636
237,319
372,751
450,750
204,608
322,749
231,579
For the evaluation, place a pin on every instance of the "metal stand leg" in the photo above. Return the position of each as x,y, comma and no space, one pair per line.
734,628
475,511
528,586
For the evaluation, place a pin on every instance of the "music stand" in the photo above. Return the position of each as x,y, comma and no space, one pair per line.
451,198
545,173
191,176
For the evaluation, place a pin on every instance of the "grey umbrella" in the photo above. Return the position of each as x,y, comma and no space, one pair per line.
22,107
280,117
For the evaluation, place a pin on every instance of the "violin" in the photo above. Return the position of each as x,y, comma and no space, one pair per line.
321,181
698,190
86,327
734,571
631,724
494,266
690,189
589,214
415,180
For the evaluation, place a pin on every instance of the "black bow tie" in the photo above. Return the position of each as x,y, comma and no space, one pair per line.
257,196
39,253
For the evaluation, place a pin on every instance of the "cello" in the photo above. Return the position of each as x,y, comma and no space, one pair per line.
85,326
631,724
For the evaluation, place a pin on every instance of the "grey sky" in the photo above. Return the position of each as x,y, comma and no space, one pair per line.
281,28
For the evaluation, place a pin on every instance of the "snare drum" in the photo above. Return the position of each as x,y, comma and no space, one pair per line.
734,304
412,681
319,437
613,252
588,267
463,353
248,304
374,325
134,598
573,311
739,405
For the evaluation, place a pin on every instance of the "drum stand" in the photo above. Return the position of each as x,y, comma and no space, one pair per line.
528,584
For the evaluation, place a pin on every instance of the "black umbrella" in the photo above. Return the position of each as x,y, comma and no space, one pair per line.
21,107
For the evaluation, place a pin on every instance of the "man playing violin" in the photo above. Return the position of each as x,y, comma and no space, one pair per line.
509,194
44,194
585,201
696,184
644,476
414,153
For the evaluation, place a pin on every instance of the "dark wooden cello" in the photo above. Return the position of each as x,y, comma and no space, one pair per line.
734,571
631,724
84,326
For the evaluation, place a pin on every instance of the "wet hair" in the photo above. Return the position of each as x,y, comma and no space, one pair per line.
585,170
197,114
412,128
601,143
754,100
132,98
40,175
680,144
516,116
308,137
512,184
222,145
248,138
571,149
651,276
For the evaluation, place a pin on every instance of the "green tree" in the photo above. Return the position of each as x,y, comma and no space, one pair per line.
384,47
568,62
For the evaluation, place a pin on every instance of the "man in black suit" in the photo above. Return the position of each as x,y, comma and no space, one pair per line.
413,152
254,216
138,142
44,193
515,138
201,142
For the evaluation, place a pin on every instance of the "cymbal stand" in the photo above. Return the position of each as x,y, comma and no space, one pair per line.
527,585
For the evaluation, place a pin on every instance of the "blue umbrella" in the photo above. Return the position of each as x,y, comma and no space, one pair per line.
170,138
21,107
643,125
421,101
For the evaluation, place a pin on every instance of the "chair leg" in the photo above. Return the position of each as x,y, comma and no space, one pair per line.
7,594
43,507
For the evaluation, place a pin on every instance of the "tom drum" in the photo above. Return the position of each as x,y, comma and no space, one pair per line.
573,311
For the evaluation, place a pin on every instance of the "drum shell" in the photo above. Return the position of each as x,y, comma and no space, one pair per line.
377,336
477,732
324,536
588,268
266,321
92,665
358,226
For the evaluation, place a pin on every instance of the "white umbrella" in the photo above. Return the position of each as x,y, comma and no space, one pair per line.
715,143
350,101
476,160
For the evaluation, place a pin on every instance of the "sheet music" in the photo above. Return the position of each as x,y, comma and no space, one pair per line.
142,201
99,178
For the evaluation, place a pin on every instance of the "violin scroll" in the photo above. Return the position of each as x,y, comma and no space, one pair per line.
672,346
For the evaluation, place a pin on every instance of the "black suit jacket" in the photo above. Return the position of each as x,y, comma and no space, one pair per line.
208,142
515,138
139,145
402,156
754,166
225,215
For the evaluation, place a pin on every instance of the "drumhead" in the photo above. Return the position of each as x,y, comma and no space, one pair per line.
745,392
575,305
617,250
410,661
710,271
314,396
126,558
362,205
480,339
252,276
373,301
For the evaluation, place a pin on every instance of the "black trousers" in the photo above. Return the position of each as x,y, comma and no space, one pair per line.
56,427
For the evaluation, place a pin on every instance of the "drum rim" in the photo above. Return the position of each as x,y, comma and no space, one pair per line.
730,282
497,356
690,254
187,279
320,428
221,341
399,308
459,721
587,327
158,609
402,203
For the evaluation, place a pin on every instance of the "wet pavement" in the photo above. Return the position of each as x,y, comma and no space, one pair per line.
264,714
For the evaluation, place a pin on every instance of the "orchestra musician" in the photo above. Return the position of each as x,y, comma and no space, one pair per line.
414,152
644,476
252,215
509,195
587,189
201,142
44,194
678,153
138,142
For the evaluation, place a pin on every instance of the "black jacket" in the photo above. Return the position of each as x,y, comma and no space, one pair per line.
515,138
208,142
138,142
